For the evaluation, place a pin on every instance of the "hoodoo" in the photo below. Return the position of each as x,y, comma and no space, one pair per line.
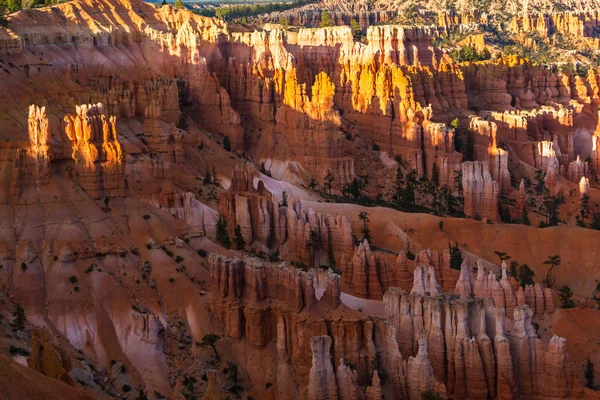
299,200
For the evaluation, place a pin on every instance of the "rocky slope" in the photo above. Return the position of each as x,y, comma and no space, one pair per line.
136,138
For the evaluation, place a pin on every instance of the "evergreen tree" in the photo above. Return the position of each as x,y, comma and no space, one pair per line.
19,318
540,181
164,3
354,189
13,5
182,122
584,206
525,218
364,217
595,224
210,340
244,20
179,4
356,29
525,276
238,239
502,256
565,294
222,234
226,143
551,203
408,198
207,179
588,373
284,199
456,258
326,20
435,175
553,262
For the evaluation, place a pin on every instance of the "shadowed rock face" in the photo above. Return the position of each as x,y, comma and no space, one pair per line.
457,347
126,128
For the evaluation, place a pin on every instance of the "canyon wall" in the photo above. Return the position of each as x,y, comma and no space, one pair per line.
457,345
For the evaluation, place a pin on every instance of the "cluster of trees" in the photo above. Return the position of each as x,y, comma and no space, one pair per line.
10,6
233,12
539,197
411,193
470,53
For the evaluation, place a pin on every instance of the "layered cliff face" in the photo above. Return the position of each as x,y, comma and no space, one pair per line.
305,236
428,341
113,180
480,191
96,150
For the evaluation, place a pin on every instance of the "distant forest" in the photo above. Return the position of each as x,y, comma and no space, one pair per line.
232,12
10,6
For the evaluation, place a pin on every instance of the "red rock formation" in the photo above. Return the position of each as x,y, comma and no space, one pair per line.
521,202
425,331
425,283
346,383
420,374
584,186
374,391
444,275
577,170
96,150
261,218
48,358
366,274
538,299
39,139
546,160
480,191
498,164
322,381
238,281
254,210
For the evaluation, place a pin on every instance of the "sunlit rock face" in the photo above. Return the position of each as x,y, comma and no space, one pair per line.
128,128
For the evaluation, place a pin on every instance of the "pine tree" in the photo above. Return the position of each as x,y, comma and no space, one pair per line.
207,179
238,239
179,4
19,318
209,341
356,29
164,3
584,206
244,20
222,234
284,199
226,143
435,175
589,374
565,294
553,262
14,5
326,20
364,217
456,257
182,122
